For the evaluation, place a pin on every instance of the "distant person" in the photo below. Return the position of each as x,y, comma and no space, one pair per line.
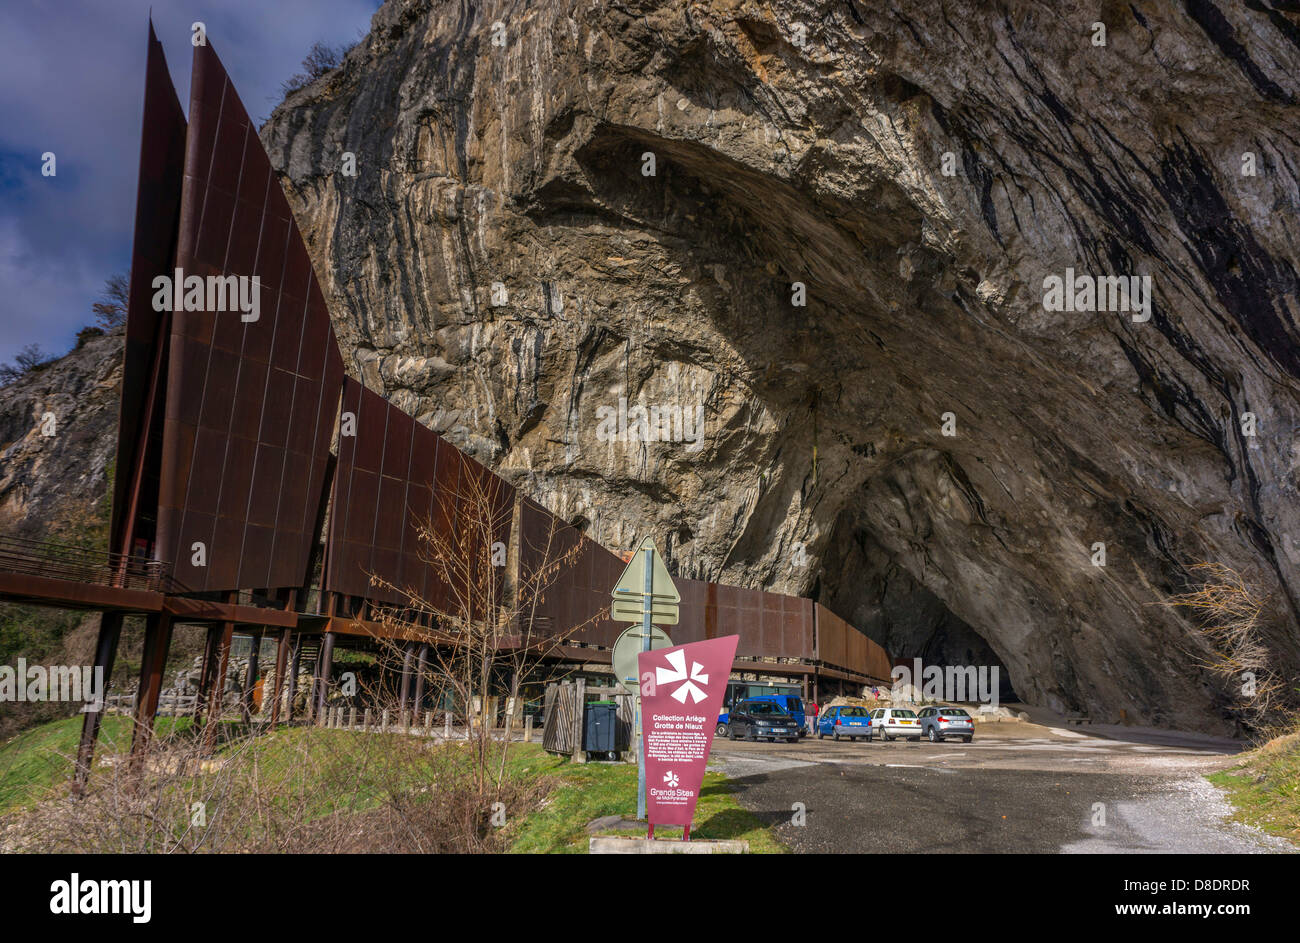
875,693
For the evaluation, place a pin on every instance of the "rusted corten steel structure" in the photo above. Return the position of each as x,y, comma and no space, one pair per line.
581,595
162,159
250,404
240,437
394,476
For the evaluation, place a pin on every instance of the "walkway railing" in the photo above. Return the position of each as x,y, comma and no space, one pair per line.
82,564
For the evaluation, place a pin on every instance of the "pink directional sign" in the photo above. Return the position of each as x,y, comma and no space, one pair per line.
681,693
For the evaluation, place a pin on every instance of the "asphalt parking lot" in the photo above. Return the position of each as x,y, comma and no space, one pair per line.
1017,788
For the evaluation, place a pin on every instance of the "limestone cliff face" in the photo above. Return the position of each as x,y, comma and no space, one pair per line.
58,437
794,141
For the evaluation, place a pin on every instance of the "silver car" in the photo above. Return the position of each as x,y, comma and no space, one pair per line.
939,723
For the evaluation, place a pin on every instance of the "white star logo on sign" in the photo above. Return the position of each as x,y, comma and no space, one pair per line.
671,779
678,672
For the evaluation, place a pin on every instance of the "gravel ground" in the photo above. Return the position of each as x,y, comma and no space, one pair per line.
1022,790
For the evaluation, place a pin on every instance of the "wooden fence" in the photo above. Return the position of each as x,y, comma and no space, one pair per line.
174,705
564,720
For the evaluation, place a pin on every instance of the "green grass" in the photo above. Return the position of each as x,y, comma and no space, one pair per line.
1265,787
589,791
37,764
31,764
357,778
39,761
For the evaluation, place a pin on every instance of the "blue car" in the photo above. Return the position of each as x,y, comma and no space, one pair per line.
791,703
847,721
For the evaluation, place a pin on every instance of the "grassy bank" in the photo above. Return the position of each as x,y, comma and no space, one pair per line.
305,789
1264,787
587,792
38,762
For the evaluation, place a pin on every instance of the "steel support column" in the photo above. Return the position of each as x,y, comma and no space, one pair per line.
157,638
323,663
404,691
421,666
110,631
211,642
250,676
212,721
295,661
281,664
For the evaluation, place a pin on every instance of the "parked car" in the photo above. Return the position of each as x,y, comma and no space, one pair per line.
791,703
846,721
940,722
760,718
890,722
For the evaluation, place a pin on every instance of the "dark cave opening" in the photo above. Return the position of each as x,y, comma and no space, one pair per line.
865,585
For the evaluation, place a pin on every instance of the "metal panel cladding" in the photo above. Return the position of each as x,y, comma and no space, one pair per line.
373,498
394,477
840,645
769,624
485,510
157,204
254,370
565,579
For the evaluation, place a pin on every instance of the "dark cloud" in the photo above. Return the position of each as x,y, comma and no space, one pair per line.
71,77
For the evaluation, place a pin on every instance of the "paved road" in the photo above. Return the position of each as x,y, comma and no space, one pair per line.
1017,788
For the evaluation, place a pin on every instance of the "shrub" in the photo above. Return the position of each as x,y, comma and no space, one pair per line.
28,360
1236,621
320,60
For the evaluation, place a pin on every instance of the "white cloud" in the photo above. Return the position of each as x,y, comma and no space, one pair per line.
71,78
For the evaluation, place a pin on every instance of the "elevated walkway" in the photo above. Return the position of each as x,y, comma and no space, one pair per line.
71,577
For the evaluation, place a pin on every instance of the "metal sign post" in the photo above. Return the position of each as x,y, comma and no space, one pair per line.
655,599
648,605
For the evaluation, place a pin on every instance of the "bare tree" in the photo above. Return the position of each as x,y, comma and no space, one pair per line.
27,360
483,614
110,310
1234,619
320,60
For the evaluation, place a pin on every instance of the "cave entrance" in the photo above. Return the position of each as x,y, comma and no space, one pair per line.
865,585
929,631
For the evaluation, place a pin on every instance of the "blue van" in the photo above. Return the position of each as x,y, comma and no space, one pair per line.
792,703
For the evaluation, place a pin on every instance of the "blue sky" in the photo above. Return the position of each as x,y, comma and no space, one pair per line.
71,82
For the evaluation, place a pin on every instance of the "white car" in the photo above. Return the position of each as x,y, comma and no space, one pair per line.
890,722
